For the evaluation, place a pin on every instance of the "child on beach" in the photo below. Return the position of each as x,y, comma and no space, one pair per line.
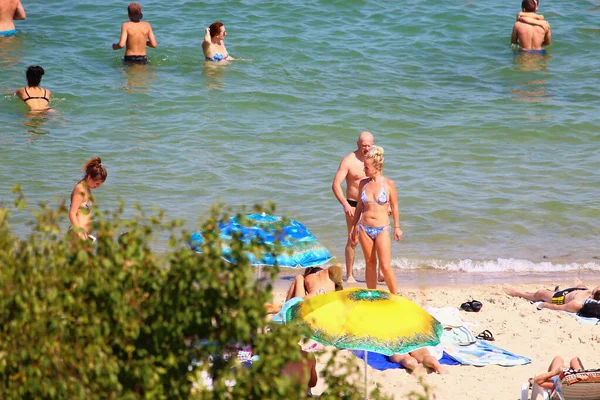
136,35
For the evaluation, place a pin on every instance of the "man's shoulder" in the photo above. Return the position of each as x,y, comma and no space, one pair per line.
348,158
10,3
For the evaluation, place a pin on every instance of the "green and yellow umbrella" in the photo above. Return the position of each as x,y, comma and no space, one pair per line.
370,320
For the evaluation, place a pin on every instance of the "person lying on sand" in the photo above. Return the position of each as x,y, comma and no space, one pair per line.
547,380
572,299
418,361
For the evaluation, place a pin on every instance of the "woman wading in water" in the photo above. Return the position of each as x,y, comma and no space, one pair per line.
80,213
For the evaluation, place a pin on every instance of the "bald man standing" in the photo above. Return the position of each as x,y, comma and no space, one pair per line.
351,170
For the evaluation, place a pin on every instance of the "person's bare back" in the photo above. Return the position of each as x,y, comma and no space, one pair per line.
10,10
530,37
137,36
531,31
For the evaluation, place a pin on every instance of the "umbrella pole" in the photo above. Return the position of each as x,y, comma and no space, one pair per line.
259,268
366,371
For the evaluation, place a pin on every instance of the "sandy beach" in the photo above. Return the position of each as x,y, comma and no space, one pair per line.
517,326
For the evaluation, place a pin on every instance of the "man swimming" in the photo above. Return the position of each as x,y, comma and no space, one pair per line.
351,170
10,10
136,35
571,299
529,32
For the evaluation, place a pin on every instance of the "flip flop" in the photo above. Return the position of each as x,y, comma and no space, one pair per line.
486,335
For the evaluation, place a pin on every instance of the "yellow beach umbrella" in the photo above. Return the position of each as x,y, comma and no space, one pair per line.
371,320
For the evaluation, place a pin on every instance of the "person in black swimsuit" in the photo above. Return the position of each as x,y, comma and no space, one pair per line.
37,98
572,299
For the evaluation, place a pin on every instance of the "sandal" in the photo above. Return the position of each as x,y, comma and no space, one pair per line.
486,335
471,306
466,306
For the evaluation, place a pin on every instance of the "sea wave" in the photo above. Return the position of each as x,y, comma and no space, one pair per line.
486,266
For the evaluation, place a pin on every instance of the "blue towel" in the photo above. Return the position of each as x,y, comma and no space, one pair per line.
482,353
381,362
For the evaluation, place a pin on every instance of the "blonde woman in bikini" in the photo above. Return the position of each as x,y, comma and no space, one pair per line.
80,212
371,225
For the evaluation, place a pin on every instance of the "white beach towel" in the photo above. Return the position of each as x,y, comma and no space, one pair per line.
461,336
449,317
582,320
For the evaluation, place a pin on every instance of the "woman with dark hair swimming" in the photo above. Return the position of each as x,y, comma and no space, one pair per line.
213,45
37,98
371,225
80,212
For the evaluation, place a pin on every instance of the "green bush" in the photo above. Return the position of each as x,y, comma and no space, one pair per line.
115,320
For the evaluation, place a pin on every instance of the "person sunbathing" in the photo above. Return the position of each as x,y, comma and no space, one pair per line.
572,299
416,361
316,280
548,380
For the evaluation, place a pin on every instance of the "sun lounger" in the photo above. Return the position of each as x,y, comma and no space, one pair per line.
572,385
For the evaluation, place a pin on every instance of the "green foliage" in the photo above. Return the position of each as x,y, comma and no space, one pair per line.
116,320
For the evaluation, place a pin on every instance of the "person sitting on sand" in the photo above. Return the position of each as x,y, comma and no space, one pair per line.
37,98
135,35
316,280
572,299
548,380
417,360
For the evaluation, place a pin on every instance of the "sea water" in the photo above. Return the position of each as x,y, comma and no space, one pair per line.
496,154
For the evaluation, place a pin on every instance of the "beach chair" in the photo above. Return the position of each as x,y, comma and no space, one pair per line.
537,392
572,385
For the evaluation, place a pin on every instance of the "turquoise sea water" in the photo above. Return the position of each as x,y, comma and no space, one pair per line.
496,155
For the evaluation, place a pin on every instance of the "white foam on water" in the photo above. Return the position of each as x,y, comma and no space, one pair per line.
486,266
